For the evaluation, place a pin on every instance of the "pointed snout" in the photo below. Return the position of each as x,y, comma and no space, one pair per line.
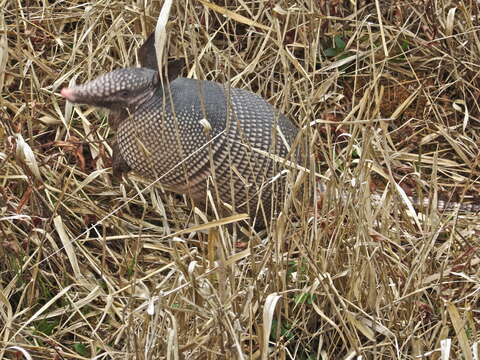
68,93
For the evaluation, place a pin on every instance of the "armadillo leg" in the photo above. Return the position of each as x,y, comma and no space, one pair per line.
119,165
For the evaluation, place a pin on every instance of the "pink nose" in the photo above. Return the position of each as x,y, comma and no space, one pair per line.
67,93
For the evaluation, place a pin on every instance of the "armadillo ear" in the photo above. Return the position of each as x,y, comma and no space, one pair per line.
148,59
174,69
146,53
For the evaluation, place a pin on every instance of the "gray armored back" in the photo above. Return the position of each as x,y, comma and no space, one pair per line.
199,135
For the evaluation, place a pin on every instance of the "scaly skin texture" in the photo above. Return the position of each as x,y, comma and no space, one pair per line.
121,91
196,136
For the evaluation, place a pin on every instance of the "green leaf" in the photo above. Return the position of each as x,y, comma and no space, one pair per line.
330,52
285,331
292,267
339,43
46,327
304,298
81,349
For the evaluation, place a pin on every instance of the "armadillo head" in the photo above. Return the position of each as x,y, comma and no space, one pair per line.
122,88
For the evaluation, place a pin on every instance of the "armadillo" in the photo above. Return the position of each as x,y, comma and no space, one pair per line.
195,136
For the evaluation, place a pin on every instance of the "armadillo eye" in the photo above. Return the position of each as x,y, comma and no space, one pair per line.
124,93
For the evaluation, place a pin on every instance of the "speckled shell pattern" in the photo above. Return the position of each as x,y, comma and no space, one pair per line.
167,138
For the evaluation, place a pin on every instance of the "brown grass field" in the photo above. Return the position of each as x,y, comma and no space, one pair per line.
386,93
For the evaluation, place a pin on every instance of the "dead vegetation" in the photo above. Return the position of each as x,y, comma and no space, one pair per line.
387,93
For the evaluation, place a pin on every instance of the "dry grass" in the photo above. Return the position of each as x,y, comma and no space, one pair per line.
90,268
